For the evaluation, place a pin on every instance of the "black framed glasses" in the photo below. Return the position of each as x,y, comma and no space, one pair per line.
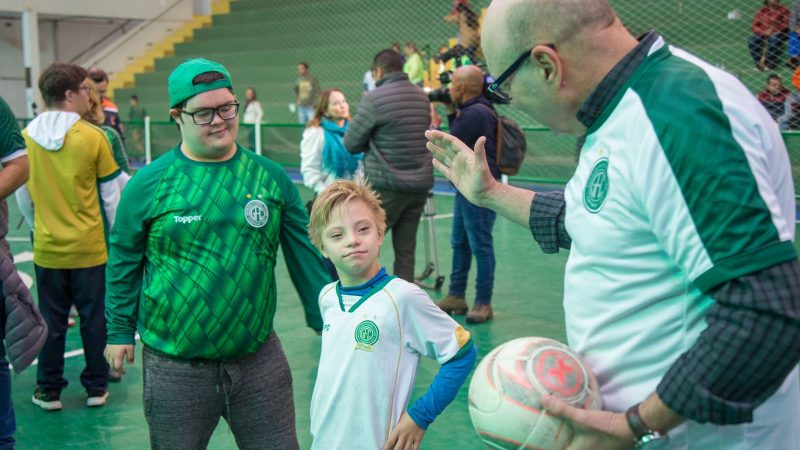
205,116
494,93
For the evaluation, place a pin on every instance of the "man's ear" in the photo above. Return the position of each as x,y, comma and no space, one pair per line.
547,60
69,96
176,115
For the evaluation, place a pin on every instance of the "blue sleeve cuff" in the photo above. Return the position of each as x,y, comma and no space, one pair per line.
444,388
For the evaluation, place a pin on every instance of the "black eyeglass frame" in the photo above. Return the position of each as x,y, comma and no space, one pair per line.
493,92
214,112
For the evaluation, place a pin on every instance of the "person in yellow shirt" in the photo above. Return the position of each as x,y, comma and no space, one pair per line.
413,67
74,190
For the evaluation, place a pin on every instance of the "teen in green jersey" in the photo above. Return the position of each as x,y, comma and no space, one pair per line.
192,270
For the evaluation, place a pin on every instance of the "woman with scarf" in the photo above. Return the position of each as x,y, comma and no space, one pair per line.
323,158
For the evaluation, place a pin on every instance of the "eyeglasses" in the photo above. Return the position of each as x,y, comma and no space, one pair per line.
493,92
85,89
206,115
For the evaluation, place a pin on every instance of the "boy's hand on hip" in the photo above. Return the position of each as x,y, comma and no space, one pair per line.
405,436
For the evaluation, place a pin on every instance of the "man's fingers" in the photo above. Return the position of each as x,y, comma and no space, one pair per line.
558,408
116,363
442,168
448,143
435,135
480,150
130,353
438,152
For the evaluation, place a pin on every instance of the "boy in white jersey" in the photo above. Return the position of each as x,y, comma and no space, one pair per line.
376,327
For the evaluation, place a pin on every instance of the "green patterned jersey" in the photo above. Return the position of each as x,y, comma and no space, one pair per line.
193,251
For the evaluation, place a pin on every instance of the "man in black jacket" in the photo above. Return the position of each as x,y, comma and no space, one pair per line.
472,225
389,128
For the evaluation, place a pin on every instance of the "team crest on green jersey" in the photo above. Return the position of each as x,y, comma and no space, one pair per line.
367,335
256,213
596,190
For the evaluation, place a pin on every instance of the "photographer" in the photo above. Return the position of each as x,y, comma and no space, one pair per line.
472,225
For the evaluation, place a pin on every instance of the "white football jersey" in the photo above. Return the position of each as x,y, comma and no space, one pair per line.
369,358
672,180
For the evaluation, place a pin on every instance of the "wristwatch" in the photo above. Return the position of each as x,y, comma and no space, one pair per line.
645,438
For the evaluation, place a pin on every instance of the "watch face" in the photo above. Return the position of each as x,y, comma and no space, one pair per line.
652,442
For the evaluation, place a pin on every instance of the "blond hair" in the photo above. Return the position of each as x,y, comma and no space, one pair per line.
337,194
95,115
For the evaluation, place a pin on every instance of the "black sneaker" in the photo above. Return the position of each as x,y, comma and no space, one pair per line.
47,399
97,397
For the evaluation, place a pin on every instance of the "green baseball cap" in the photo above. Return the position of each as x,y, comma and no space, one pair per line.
180,84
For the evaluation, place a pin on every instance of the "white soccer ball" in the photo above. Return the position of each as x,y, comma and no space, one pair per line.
506,387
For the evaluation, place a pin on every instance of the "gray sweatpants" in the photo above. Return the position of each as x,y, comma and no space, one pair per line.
183,400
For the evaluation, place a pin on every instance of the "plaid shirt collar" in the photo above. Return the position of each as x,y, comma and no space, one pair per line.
598,100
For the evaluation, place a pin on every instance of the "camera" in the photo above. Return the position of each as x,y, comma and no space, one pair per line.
441,95
453,52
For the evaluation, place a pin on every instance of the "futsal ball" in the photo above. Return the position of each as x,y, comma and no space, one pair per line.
506,387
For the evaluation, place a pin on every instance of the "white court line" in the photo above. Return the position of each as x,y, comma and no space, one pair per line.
23,257
439,216
18,239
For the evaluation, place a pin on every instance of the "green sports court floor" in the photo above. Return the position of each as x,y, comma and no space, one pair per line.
527,302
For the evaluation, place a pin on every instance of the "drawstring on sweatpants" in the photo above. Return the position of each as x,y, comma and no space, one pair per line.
225,392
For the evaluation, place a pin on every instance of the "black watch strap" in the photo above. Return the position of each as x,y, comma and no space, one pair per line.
636,423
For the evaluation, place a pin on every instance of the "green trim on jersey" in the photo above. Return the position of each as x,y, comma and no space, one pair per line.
746,264
11,139
733,221
110,177
651,60
373,291
463,351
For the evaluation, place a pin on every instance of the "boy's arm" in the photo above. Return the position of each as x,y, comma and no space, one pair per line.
445,386
432,333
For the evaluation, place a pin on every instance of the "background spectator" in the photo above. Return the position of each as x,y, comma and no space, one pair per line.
413,67
136,115
253,112
774,96
368,83
471,233
793,50
389,129
73,194
253,115
96,116
323,158
469,35
306,90
770,30
100,78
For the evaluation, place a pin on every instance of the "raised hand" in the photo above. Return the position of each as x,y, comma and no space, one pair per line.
468,170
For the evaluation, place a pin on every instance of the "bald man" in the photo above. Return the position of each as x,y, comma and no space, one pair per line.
472,225
682,288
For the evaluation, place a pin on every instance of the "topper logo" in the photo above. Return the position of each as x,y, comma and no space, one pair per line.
187,219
